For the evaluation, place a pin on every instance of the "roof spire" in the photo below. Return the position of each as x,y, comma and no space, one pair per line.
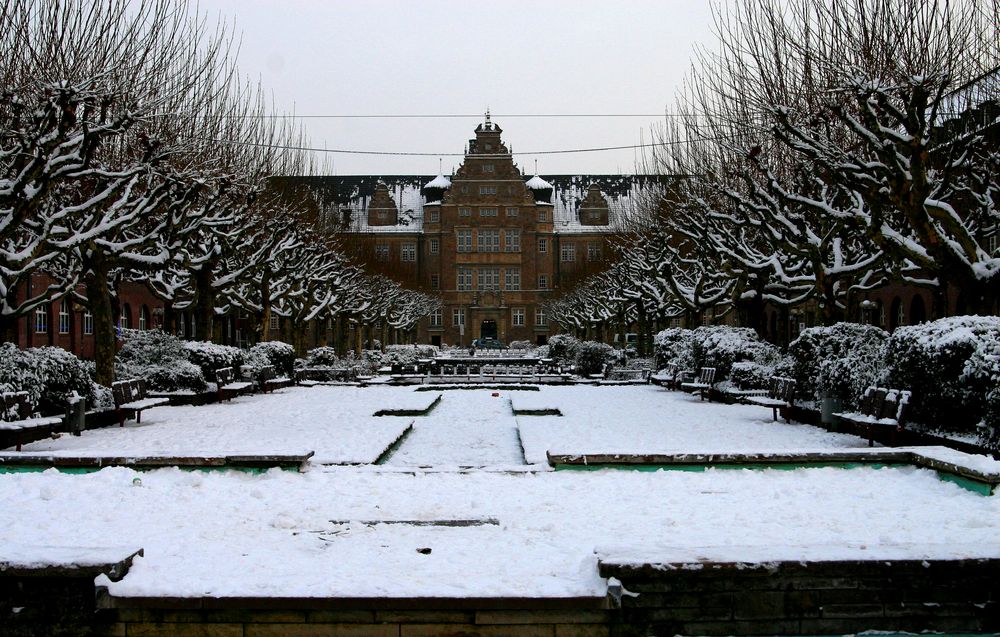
487,116
536,165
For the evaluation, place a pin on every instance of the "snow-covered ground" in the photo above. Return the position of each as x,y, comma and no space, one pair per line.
533,532
649,419
335,422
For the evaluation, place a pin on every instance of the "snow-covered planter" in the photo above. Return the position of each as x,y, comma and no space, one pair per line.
945,364
720,346
280,355
672,346
49,375
159,358
591,357
838,362
562,347
210,357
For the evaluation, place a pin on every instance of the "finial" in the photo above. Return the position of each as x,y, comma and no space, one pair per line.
487,114
439,166
536,165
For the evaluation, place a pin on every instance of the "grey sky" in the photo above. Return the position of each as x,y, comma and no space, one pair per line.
382,57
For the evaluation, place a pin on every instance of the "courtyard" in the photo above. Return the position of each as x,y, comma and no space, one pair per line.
459,500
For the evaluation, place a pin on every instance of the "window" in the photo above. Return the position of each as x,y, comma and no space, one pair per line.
593,251
593,215
434,246
463,240
143,317
41,319
511,212
568,252
382,252
434,216
489,279
676,322
543,245
465,212
543,215
273,321
436,318
124,319
408,252
458,316
512,240
464,279
487,212
88,322
487,168
540,320
435,281
487,190
465,189
517,316
543,282
512,279
64,317
489,240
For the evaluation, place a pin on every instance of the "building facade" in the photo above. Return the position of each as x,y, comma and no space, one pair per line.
491,242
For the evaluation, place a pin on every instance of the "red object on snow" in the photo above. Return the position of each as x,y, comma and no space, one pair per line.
496,394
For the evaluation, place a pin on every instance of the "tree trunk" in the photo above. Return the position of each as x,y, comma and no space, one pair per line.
205,310
101,305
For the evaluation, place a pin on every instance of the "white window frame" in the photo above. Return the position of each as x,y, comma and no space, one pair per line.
543,245
488,212
567,252
512,240
488,168
382,252
434,216
143,318
517,316
41,320
436,318
488,240
465,212
408,251
434,246
511,211
463,240
64,317
593,251
463,282
435,281
272,322
512,279
88,322
488,279
457,316
543,282
487,190
540,319
543,215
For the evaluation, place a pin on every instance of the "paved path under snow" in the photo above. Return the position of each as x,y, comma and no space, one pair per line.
468,428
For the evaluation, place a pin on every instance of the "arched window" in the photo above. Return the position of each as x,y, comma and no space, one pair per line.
64,317
143,317
123,318
918,312
896,317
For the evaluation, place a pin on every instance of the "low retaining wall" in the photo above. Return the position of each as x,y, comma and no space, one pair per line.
806,598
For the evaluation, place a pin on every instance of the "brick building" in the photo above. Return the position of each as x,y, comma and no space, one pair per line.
490,241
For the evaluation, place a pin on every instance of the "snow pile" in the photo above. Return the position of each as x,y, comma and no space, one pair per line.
440,181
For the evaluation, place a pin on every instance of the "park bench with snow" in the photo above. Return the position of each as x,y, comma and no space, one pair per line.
780,396
130,395
16,417
624,374
704,383
881,409
268,379
227,385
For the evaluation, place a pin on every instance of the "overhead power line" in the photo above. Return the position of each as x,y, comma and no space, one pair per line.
446,115
567,151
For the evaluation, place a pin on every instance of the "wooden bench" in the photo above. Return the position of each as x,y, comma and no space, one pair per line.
16,416
617,373
704,383
881,408
131,395
780,395
227,385
267,378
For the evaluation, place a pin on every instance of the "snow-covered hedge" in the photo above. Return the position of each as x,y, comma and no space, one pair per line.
591,357
947,366
322,357
672,346
721,346
407,354
210,357
159,358
838,361
751,375
367,364
49,375
563,347
279,355
983,369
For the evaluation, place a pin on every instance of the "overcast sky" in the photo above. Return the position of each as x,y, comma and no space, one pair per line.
339,57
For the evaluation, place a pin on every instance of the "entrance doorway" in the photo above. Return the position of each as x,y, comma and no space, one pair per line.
488,329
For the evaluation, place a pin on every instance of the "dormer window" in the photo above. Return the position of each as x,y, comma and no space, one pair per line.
487,190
